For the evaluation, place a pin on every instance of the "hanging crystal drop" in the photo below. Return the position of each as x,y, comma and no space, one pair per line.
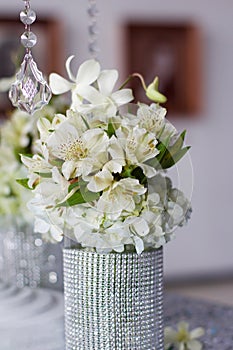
30,92
92,10
27,16
28,39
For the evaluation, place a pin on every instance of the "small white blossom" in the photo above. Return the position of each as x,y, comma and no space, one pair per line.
183,339
87,74
103,102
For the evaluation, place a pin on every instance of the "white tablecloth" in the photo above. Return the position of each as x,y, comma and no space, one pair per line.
31,319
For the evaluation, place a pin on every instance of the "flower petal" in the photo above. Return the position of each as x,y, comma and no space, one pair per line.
169,335
122,97
139,245
113,166
40,226
90,94
182,325
197,332
100,181
140,227
194,345
58,84
68,169
88,72
148,170
107,81
70,75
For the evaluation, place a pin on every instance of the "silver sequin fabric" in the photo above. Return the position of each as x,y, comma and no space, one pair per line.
113,301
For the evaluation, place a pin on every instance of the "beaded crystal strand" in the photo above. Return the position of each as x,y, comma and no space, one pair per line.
93,29
30,92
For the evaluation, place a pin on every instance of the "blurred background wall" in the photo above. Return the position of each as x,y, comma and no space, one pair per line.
205,246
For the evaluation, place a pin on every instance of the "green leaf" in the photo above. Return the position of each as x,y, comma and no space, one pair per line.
170,159
73,185
162,147
45,175
75,199
173,153
137,173
24,183
82,195
111,130
181,153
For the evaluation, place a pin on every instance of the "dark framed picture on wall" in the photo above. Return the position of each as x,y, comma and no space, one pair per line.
48,52
171,52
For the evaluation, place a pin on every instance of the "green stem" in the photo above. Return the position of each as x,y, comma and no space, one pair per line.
134,75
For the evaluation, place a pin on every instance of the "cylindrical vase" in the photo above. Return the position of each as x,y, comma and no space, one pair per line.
113,301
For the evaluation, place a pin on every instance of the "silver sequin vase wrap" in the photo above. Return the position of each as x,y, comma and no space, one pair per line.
113,301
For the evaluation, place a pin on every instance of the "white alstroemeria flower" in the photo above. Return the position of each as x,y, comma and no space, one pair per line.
152,118
183,339
82,153
120,196
103,102
100,181
87,74
51,191
104,178
139,146
37,165
49,221
17,130
46,126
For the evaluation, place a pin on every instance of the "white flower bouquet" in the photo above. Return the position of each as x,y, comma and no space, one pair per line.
13,197
17,134
99,173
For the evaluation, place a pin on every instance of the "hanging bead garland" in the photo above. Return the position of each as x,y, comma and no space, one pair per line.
92,28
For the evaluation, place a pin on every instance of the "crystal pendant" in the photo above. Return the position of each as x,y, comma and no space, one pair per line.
30,92
28,39
27,16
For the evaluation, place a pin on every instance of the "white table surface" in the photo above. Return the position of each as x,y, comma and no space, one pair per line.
31,319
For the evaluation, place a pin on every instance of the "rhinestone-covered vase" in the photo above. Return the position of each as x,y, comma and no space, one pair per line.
113,301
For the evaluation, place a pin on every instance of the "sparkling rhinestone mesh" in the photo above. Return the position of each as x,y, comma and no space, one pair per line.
21,259
25,260
113,301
